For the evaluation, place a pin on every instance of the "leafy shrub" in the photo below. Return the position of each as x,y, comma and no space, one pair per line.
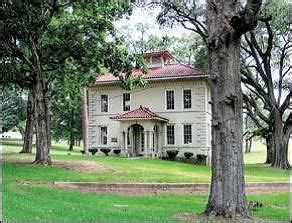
117,151
201,158
105,151
92,151
172,153
188,155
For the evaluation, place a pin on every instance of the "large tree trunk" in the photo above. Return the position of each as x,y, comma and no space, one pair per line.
280,159
71,138
29,127
48,122
40,91
227,193
270,149
42,144
248,144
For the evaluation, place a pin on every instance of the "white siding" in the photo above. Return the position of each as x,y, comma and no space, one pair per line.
153,97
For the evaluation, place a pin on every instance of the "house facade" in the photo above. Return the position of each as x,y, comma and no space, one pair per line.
171,113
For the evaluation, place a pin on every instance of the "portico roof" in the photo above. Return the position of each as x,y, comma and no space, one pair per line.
138,114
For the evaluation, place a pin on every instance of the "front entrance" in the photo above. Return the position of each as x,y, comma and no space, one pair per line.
136,140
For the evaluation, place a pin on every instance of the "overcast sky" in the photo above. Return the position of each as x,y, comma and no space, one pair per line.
147,16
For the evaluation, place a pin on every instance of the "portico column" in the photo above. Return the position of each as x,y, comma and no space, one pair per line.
126,142
131,140
146,142
151,142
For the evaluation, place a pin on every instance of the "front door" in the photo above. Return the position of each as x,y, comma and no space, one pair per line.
136,144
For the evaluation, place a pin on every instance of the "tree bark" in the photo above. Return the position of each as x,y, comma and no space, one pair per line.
42,142
270,149
48,121
280,159
227,192
40,95
227,196
71,138
248,144
29,127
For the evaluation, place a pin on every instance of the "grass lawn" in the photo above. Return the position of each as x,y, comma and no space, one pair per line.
33,203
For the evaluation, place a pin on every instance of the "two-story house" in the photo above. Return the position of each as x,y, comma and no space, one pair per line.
172,112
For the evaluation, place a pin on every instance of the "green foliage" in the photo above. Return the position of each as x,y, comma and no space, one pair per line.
172,154
93,151
105,151
201,158
66,103
188,49
188,155
13,108
117,151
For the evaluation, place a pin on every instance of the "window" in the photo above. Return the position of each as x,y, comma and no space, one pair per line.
103,135
187,98
187,134
170,99
170,134
104,103
126,101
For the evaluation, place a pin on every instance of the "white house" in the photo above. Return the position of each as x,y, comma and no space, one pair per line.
172,112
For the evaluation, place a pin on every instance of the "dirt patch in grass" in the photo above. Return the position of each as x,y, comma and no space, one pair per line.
202,218
145,189
84,166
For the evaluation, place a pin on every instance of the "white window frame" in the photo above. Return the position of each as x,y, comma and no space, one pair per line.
166,140
183,104
183,133
101,103
100,136
129,101
165,99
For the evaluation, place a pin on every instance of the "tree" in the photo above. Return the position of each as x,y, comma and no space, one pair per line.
66,105
13,108
29,126
225,26
267,50
188,49
39,36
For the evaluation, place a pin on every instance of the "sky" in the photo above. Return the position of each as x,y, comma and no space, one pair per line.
148,16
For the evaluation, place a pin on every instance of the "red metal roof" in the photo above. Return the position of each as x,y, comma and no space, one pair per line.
168,71
139,113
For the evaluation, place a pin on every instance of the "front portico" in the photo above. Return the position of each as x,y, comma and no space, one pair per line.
141,132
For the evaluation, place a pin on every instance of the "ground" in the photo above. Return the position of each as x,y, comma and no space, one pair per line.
29,195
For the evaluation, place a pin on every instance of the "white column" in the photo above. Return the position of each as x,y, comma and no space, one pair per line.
146,142
126,142
151,142
131,141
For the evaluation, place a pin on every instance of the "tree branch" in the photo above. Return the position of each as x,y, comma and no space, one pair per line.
285,103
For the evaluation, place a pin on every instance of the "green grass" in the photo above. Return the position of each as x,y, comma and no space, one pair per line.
137,170
33,203
258,153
